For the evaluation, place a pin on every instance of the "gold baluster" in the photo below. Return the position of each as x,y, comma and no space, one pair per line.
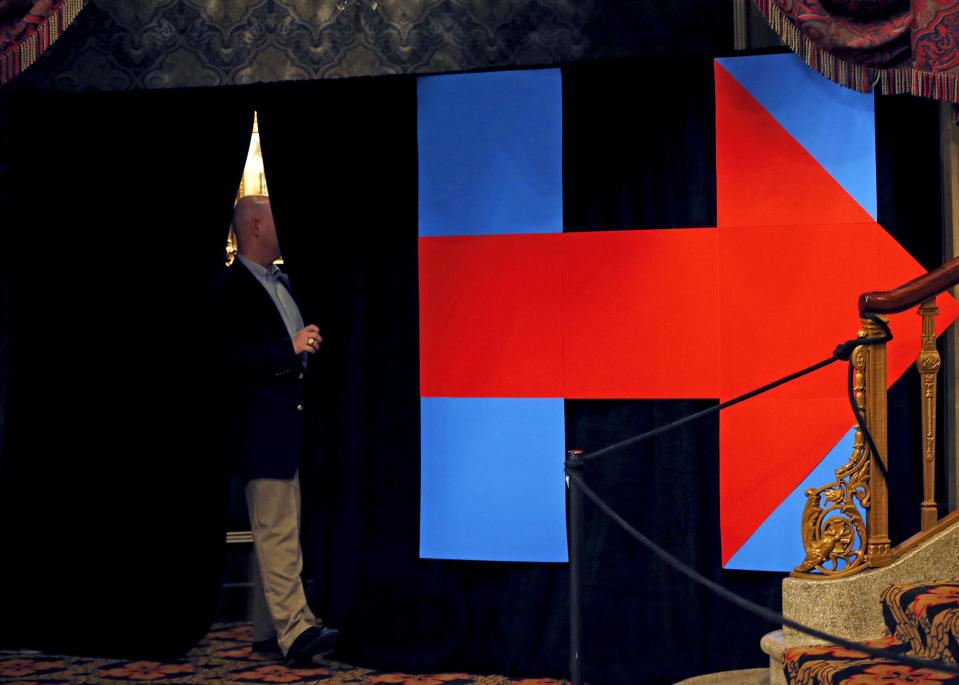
878,547
832,523
928,364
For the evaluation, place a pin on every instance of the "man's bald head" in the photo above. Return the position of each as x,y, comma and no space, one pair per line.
247,209
255,232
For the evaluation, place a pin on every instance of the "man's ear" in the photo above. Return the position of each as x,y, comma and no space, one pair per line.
255,227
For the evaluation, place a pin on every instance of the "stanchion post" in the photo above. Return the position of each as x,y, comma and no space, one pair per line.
574,533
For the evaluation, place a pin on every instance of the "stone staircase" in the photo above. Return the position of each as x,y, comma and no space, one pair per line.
903,607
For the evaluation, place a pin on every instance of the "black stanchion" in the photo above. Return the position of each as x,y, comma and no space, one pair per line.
574,534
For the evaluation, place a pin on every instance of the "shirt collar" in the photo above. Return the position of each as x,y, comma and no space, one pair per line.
259,270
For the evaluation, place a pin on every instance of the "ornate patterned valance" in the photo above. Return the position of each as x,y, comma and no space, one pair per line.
149,44
895,46
28,27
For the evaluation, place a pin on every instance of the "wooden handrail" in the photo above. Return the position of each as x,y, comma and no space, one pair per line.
913,293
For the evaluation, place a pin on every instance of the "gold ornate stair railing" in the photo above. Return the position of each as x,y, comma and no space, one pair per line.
845,524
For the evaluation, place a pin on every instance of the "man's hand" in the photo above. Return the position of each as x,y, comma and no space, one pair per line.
307,339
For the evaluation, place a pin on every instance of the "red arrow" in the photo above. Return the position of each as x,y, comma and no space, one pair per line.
796,247
670,314
683,313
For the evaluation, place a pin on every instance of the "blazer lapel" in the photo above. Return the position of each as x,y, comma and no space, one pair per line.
261,304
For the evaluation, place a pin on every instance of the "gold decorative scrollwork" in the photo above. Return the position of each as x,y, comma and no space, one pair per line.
833,528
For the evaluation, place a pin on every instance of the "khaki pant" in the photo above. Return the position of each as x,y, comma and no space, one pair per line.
279,603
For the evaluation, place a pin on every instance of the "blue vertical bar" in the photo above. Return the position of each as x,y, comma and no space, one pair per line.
491,483
490,153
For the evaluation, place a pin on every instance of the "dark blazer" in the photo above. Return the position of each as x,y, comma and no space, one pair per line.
262,377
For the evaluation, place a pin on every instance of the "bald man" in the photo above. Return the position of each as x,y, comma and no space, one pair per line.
266,347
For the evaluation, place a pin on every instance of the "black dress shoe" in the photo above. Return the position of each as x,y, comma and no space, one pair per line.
309,643
270,646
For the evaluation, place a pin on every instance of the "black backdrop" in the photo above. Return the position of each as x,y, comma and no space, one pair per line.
111,493
110,489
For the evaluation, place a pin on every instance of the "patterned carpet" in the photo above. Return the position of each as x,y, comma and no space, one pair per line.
222,657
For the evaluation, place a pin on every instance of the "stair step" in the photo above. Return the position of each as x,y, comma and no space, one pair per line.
925,616
923,619
850,606
749,676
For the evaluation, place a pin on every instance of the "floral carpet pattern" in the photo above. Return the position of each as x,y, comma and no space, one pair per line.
223,657
923,622
835,665
926,617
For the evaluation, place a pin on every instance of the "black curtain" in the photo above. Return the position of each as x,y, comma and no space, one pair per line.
111,490
910,209
639,144
341,165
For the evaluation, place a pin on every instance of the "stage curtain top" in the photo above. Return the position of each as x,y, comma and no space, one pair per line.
904,46
28,27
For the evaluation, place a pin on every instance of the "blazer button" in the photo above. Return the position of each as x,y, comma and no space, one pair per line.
301,375
299,407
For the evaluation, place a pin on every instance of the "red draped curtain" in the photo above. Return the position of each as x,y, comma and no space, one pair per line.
895,46
28,27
